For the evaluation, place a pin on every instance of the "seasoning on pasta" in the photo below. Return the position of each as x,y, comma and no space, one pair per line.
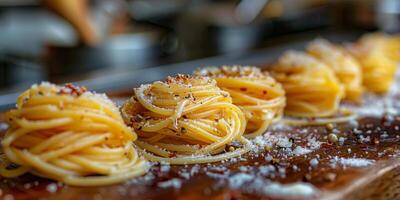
186,120
312,90
346,68
260,97
377,65
69,135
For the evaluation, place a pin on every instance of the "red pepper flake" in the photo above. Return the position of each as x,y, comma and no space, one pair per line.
265,92
243,89
72,90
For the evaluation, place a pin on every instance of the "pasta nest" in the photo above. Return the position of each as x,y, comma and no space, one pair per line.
312,89
346,68
389,44
377,65
184,120
70,135
261,98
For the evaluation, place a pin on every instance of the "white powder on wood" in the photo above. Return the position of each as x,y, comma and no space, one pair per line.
351,162
175,183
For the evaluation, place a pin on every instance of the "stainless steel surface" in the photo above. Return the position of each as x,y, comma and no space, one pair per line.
135,49
388,15
248,10
217,29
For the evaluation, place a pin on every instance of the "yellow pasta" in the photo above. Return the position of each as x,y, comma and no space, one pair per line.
377,65
260,97
346,68
312,90
186,120
389,44
69,135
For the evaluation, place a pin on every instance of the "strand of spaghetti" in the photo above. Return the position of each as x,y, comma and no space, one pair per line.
198,159
319,121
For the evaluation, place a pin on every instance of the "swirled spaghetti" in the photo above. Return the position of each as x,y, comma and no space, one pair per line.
260,97
377,66
69,135
389,44
346,68
185,120
312,90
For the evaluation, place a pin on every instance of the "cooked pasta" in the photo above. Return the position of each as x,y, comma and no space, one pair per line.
389,44
346,68
260,97
186,120
69,135
377,66
312,90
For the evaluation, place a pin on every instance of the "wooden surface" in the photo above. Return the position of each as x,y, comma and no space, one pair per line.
381,180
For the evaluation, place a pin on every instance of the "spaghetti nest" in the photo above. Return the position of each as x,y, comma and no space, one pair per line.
311,87
378,61
346,68
389,44
70,135
186,120
260,97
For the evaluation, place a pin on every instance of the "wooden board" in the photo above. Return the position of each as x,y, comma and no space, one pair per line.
380,180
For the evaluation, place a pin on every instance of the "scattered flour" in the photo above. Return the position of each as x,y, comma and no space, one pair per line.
298,189
52,187
165,168
175,183
262,186
314,162
351,162
238,180
267,170
313,143
299,151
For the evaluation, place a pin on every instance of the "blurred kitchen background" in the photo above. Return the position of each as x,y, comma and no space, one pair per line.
72,40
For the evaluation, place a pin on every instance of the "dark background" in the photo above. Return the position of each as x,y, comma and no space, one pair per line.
37,43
